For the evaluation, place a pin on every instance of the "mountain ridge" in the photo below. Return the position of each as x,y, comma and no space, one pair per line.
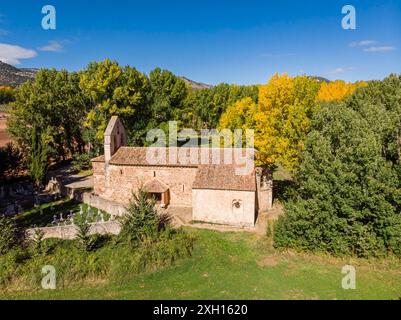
13,76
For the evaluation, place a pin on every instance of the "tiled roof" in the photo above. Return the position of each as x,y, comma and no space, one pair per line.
188,157
223,177
155,186
98,159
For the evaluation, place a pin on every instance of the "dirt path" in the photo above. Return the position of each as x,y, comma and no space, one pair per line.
4,138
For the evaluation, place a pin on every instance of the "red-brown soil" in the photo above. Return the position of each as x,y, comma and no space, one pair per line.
4,138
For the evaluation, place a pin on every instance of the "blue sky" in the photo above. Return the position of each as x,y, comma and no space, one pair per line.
216,41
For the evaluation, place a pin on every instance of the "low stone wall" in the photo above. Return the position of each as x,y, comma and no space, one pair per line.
113,208
69,232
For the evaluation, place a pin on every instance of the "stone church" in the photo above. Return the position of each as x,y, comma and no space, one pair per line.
215,191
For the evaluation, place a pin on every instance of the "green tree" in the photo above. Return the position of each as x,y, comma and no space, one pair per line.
142,219
54,103
85,241
349,197
113,90
38,157
205,107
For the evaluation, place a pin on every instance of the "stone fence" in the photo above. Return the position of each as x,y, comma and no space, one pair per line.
111,207
70,232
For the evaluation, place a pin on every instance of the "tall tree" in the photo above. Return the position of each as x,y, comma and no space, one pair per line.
349,200
113,90
54,103
38,157
281,119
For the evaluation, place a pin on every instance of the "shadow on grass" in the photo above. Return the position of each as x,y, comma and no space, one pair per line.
101,240
42,216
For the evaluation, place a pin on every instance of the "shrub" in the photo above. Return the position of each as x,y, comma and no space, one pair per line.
84,239
142,219
151,254
37,242
81,161
8,234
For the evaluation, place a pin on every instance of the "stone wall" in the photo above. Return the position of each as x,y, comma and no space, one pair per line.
264,185
121,181
223,206
98,177
69,232
111,207
115,137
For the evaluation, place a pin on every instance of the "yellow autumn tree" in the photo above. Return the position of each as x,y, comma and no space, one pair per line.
338,90
281,119
240,115
286,105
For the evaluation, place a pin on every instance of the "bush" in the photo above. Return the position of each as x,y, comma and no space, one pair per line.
6,95
37,242
142,219
8,234
151,254
84,239
81,161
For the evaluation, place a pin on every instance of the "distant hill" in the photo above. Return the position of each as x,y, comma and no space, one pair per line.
196,85
12,76
320,79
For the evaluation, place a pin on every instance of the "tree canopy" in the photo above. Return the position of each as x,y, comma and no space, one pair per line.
54,104
349,197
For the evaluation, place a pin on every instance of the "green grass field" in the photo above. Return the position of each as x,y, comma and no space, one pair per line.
241,266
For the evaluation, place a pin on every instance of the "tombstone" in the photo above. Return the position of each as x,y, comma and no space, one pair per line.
10,210
72,217
36,201
90,214
102,217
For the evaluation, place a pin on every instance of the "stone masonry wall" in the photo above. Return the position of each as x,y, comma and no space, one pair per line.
98,177
121,181
235,208
69,232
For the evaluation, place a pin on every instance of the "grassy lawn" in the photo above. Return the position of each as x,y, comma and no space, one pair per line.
241,266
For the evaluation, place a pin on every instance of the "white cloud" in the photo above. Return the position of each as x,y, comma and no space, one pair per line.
12,54
379,49
341,70
362,43
52,46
